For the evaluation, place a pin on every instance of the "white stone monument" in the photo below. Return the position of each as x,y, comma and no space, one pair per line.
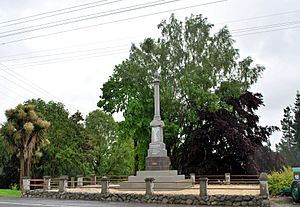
157,161
157,158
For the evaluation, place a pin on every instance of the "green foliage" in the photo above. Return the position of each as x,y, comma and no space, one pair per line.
10,193
14,186
197,70
24,135
290,142
110,151
296,124
69,151
280,180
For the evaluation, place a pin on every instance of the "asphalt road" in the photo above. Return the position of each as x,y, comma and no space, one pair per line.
32,202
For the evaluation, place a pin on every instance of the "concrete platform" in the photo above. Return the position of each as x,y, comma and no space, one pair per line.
164,180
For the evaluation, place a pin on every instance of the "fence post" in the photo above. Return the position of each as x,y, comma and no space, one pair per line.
203,186
94,179
227,178
72,182
149,186
26,184
47,183
193,178
79,180
263,184
63,184
105,185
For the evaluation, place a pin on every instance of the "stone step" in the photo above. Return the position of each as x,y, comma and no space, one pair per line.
157,178
157,173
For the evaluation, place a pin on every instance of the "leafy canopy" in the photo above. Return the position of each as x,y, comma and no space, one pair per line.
197,70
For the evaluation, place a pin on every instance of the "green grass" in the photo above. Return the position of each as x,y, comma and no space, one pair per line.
10,193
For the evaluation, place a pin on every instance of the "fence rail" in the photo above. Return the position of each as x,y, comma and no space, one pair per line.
201,182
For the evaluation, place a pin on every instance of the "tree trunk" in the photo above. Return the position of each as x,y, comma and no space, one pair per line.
28,166
136,158
21,170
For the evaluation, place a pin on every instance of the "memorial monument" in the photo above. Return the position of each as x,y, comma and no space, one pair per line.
157,158
157,161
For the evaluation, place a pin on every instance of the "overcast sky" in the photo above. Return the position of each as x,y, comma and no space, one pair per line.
67,55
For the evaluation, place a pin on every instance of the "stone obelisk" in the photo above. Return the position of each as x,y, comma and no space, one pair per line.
157,161
157,158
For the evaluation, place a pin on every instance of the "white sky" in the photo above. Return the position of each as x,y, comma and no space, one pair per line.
72,66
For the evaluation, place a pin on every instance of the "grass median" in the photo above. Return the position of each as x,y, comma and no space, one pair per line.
10,193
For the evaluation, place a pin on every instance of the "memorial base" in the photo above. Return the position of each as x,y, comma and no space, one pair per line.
157,163
163,180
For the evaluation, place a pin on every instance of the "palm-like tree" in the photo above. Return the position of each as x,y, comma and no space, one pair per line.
24,132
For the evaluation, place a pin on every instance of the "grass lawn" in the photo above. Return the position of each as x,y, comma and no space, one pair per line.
10,193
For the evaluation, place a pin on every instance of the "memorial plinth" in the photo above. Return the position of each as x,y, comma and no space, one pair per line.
157,161
163,180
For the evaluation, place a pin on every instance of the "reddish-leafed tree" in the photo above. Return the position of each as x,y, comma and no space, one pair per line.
229,140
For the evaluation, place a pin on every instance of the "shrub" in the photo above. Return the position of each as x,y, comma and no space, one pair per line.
280,180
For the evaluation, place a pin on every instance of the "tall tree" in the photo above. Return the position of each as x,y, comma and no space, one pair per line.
24,132
197,69
227,140
289,144
111,153
70,150
9,165
296,124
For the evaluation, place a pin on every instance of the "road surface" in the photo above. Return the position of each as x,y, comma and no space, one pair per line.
36,202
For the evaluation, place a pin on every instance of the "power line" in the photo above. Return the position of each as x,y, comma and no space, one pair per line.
28,83
14,92
65,53
87,17
258,17
9,96
263,31
20,86
266,26
226,22
76,58
23,79
89,55
69,47
110,22
55,11
73,58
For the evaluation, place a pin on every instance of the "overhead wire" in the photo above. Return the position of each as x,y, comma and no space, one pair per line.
71,58
54,11
114,40
124,46
29,83
110,22
20,86
266,31
85,17
237,32
22,79
232,31
258,17
70,47
9,96
266,26
10,91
